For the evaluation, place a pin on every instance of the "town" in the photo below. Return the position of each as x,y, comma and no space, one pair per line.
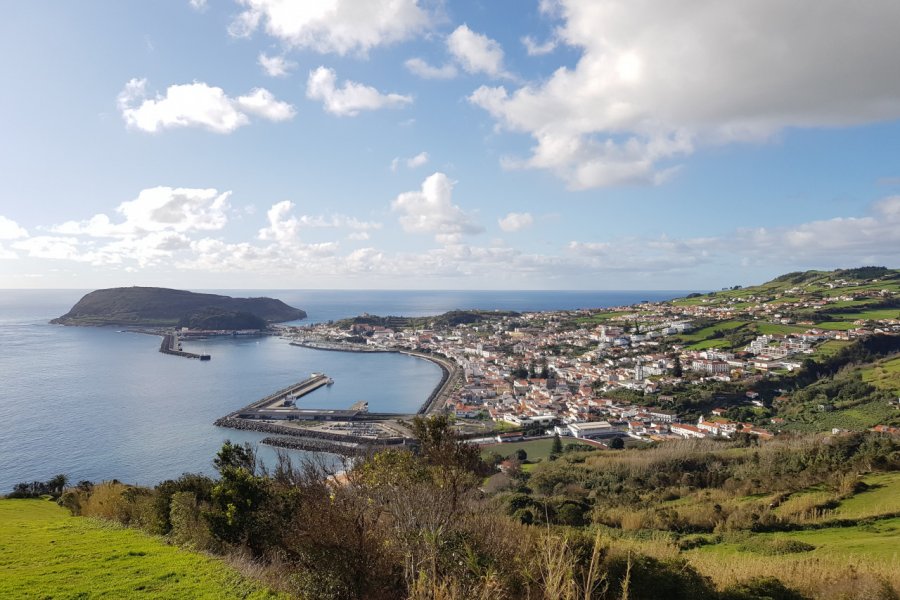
705,365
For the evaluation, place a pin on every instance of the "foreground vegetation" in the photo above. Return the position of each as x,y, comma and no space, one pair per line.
46,553
799,517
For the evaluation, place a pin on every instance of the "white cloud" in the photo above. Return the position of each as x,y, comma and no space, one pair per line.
419,67
418,160
350,98
158,209
476,53
45,246
412,162
825,244
262,103
196,105
534,48
285,227
339,26
657,79
874,238
10,230
200,5
431,210
516,221
275,66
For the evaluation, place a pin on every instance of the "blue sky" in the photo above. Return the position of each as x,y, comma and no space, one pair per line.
554,144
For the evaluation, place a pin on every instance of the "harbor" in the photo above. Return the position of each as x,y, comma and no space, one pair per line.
347,432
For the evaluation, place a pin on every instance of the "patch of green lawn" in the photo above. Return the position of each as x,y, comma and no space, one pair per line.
46,553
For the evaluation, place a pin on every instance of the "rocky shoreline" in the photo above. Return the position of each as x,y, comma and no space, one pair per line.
309,439
317,445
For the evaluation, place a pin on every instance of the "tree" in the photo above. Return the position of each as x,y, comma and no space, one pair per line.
440,446
237,500
616,444
521,454
557,446
678,370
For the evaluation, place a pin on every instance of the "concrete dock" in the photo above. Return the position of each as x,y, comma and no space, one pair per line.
282,404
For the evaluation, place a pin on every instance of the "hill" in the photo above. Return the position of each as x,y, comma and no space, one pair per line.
45,553
167,307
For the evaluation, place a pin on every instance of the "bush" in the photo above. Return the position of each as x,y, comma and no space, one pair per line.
188,526
649,578
761,588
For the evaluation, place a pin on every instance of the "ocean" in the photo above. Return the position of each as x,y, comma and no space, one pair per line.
98,403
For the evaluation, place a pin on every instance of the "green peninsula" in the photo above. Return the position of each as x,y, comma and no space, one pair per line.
163,307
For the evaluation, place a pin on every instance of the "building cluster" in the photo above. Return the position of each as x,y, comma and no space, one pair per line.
561,368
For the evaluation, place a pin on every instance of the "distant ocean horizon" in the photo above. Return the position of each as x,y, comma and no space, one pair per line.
97,403
324,305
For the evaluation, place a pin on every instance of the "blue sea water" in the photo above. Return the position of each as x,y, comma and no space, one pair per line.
97,403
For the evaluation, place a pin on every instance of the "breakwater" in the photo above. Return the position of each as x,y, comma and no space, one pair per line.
315,445
169,345
281,404
298,432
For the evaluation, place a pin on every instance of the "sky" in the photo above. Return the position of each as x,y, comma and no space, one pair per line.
427,144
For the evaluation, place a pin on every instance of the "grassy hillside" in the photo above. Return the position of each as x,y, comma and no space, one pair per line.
45,553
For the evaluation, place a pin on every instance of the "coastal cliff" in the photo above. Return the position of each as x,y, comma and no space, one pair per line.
163,307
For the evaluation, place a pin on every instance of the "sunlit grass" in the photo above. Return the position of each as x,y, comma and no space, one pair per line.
45,553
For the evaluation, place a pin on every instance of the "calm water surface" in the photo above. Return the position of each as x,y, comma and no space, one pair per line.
96,403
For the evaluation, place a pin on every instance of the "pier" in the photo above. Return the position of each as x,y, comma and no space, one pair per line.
281,405
170,345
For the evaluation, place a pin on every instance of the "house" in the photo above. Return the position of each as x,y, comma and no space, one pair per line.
663,416
515,436
591,430
687,431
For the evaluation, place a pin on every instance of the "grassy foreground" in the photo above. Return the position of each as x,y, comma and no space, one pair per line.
45,553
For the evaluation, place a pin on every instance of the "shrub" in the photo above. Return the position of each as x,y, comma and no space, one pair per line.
188,526
649,578
761,588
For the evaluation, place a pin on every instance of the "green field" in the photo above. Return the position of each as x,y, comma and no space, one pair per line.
829,348
836,325
884,375
46,553
707,332
601,317
778,328
857,418
878,541
882,497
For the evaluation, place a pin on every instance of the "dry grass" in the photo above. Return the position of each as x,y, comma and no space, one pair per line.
826,577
